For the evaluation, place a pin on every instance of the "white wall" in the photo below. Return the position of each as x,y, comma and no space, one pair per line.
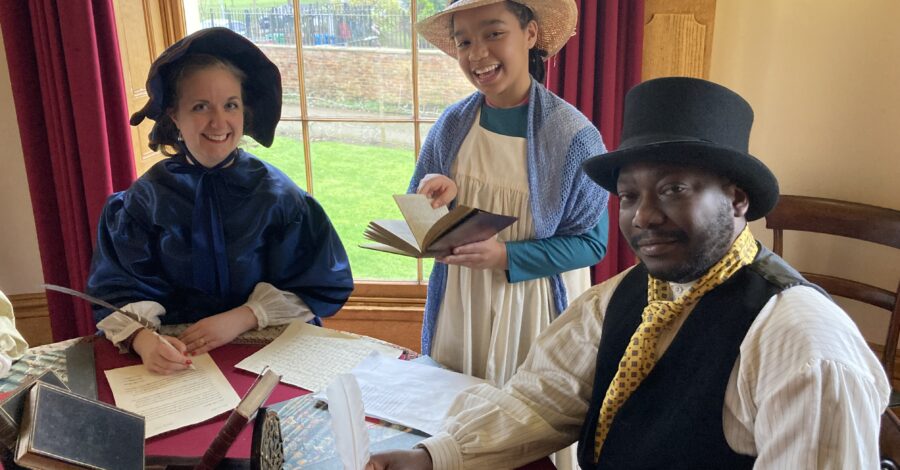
823,77
20,265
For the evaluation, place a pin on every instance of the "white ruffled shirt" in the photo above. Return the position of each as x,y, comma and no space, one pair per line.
270,306
806,391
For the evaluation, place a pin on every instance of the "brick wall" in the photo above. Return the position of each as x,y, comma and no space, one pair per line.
371,75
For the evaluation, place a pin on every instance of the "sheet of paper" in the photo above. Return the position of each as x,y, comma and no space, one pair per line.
169,402
408,393
311,357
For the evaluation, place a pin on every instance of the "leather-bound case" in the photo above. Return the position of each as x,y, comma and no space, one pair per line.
62,430
12,405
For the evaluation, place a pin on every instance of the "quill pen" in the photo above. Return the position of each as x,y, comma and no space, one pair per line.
348,422
100,302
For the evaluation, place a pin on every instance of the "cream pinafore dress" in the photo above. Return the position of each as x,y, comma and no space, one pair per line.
486,325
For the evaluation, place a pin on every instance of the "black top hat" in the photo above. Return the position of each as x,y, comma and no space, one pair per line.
691,122
262,88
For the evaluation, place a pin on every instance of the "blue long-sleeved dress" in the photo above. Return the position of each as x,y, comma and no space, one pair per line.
269,230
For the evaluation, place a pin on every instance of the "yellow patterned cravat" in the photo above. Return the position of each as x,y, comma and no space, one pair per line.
640,355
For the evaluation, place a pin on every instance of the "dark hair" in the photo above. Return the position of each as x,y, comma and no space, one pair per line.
165,135
536,66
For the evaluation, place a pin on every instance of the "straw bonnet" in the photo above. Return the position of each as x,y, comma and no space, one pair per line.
556,21
694,123
262,88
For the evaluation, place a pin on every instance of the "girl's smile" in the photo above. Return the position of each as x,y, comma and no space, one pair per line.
492,50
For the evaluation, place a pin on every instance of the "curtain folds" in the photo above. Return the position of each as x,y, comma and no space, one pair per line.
71,108
593,72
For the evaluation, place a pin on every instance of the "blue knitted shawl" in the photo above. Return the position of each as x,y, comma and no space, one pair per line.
564,201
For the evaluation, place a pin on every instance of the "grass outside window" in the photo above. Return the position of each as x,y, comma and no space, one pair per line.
360,180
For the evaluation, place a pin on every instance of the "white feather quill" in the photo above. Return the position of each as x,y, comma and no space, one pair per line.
348,422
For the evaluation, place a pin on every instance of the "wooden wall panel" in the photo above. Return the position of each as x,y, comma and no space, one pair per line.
678,38
32,318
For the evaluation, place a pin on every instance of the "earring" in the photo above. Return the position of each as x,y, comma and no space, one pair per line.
180,138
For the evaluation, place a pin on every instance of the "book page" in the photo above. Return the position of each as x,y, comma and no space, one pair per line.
169,402
394,233
389,249
419,215
311,357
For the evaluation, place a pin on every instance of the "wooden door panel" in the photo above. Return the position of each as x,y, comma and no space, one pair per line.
141,40
678,37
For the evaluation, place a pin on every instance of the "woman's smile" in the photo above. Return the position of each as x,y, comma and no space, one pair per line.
210,114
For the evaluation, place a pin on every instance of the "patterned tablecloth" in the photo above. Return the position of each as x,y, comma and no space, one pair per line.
309,443
37,360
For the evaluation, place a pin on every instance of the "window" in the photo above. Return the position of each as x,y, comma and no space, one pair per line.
360,95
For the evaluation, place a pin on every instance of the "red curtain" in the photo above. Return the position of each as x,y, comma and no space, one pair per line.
593,72
69,95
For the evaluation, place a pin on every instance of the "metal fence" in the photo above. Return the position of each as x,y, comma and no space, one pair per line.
322,24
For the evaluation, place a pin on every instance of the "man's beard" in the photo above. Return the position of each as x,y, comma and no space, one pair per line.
717,242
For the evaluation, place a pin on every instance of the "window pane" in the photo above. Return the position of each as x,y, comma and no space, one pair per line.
357,58
268,23
441,82
286,152
357,64
356,169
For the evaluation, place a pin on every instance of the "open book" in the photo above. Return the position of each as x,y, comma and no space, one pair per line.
426,232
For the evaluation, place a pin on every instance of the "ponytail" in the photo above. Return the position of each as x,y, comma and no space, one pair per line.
536,65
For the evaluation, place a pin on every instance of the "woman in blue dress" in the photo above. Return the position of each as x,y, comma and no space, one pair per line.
212,235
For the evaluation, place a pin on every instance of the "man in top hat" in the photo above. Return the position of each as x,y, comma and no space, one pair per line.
711,353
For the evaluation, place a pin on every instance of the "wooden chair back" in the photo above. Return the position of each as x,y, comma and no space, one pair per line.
862,222
889,441
852,220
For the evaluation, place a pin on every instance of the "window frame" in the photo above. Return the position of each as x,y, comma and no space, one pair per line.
366,293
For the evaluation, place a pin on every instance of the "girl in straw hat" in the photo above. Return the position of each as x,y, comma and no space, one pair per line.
513,148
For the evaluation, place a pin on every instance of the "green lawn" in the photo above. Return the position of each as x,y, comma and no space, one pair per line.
354,184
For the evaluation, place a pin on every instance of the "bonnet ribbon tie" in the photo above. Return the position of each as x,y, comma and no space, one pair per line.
208,252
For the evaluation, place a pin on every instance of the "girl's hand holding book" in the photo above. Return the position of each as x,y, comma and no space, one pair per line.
439,188
487,254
